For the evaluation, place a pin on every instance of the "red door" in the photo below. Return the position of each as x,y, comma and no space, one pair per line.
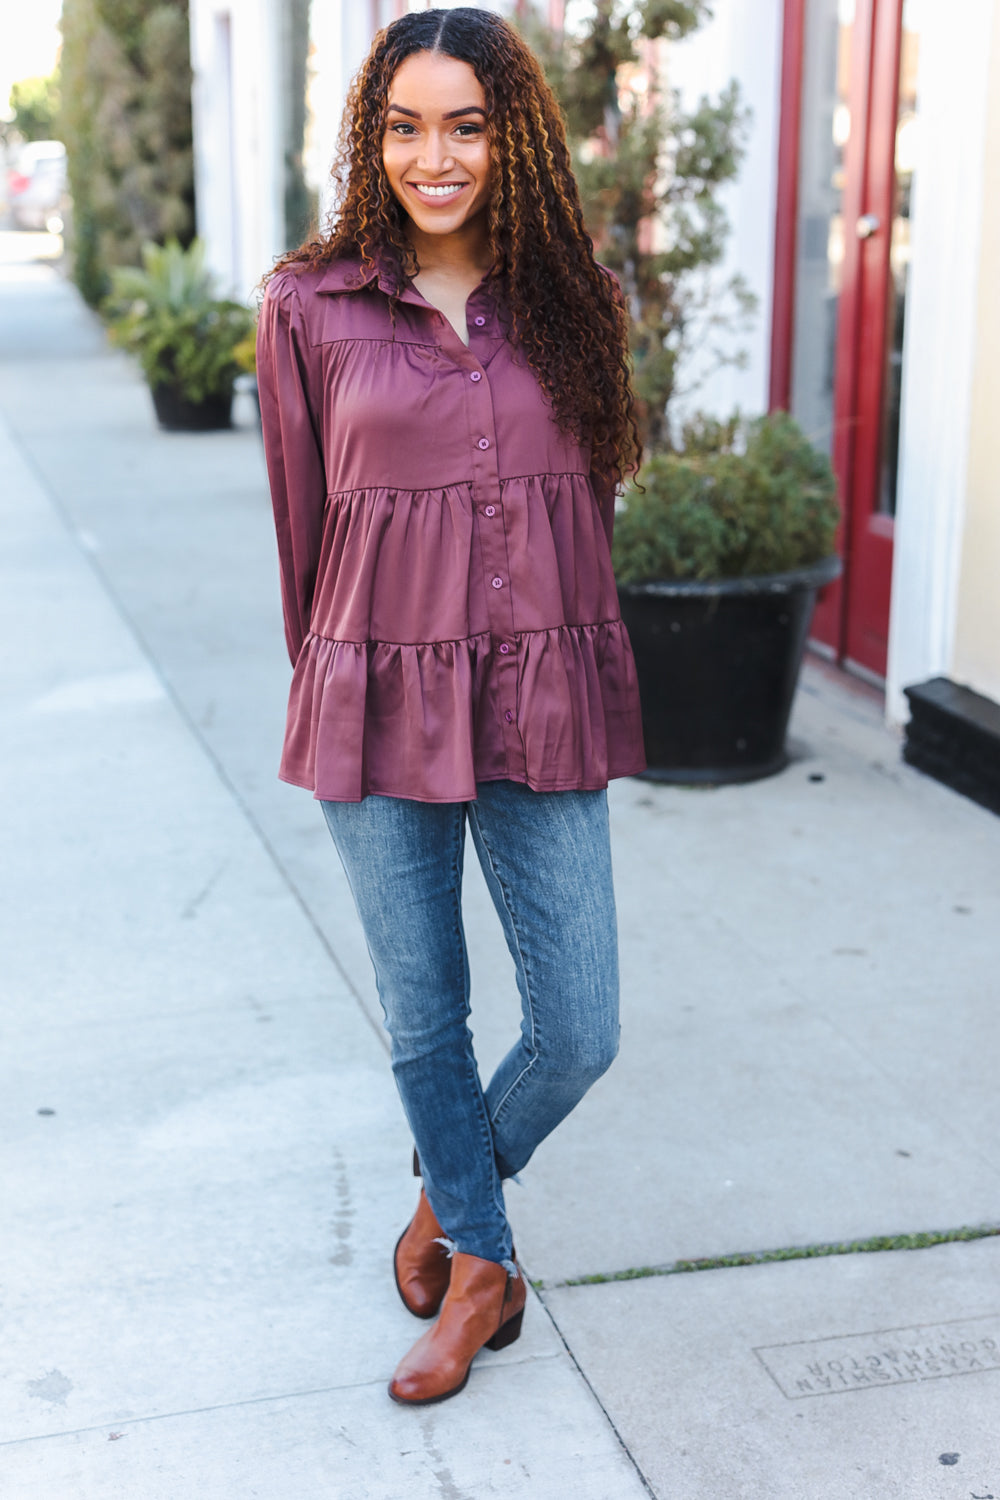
845,174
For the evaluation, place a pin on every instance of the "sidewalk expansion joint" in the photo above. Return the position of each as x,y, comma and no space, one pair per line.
626,1450
922,1240
190,1411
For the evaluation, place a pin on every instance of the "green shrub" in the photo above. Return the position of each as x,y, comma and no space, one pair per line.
742,498
33,110
166,315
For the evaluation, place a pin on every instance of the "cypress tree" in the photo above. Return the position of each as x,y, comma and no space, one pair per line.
126,122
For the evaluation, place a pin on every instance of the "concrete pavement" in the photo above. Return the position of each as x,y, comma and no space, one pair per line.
196,1287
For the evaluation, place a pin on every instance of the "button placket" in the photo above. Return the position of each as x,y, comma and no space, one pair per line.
487,501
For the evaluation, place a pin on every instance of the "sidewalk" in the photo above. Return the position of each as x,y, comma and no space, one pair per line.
196,1241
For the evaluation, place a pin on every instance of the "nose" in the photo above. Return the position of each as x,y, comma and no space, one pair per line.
435,156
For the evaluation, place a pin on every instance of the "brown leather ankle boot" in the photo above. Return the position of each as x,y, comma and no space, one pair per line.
483,1306
422,1267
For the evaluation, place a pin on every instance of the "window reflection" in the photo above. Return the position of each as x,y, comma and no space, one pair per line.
907,157
826,131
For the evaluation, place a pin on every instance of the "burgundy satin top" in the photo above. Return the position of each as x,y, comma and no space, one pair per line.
450,608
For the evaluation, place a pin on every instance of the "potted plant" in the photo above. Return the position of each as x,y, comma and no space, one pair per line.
245,355
165,312
720,549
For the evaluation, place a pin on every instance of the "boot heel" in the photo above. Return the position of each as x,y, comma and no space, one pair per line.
507,1333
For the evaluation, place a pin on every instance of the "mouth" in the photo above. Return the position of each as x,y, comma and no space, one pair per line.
437,192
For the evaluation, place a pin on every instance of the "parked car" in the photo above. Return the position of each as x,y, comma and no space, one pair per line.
36,186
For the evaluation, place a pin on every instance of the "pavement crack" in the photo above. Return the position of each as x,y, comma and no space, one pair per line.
191,909
190,1411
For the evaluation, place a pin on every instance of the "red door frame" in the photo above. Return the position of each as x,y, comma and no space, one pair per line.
867,610
787,218
852,614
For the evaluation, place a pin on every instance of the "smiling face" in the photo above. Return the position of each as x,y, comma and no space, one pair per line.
435,148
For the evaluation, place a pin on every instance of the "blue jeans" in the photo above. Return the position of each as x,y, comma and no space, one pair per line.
547,861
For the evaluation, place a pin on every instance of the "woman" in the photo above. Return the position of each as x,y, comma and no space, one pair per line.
444,389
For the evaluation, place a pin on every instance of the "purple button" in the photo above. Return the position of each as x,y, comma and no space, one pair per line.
497,583
480,321
484,442
504,648
476,375
509,717
490,510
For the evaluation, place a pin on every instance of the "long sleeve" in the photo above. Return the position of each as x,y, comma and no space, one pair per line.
293,451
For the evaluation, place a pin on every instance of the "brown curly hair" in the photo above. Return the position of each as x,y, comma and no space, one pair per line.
566,312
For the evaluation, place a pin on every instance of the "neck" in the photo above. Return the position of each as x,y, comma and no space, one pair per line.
462,254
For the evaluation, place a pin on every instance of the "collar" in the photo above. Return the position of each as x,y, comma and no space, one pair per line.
348,274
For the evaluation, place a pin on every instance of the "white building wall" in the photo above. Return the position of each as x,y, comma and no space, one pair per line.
341,35
742,41
236,59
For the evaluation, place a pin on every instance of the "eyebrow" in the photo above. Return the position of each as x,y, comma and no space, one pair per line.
453,114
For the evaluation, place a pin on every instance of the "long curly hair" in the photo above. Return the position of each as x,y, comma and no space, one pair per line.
566,313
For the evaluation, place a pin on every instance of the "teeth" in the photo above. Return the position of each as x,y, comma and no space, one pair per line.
441,192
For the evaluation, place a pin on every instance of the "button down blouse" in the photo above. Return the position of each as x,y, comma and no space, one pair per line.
450,609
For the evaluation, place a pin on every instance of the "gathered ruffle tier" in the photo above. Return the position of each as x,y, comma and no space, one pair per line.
420,720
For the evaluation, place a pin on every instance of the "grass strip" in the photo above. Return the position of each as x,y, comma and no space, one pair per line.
876,1243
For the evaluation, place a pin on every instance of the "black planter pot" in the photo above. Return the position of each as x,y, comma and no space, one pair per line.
717,664
176,414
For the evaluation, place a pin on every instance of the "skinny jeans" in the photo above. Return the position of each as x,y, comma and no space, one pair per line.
547,862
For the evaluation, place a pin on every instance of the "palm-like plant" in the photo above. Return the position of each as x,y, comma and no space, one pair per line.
166,314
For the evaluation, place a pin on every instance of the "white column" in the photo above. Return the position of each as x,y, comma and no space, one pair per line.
235,56
341,35
939,349
742,41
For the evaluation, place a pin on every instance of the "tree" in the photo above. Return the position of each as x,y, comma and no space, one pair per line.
126,121
34,106
649,174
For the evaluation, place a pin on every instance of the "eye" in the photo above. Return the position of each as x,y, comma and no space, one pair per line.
468,131
402,127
